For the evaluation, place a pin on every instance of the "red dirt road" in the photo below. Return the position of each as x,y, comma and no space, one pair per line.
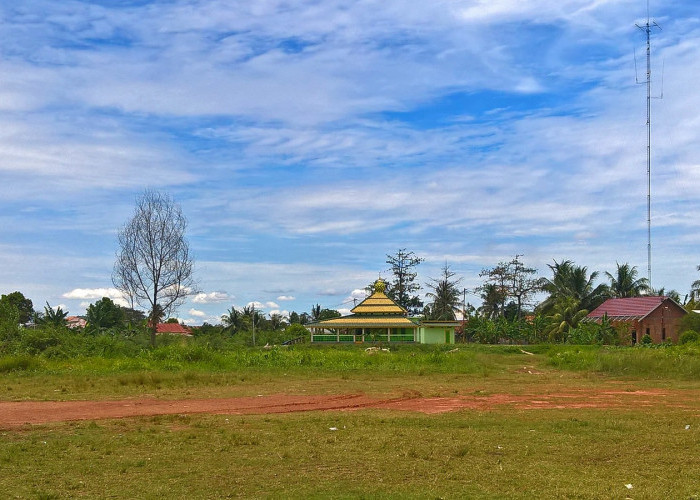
14,414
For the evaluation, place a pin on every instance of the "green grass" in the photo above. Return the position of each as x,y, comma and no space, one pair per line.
500,453
178,367
373,454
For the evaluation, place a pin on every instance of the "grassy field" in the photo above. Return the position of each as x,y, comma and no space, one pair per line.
504,452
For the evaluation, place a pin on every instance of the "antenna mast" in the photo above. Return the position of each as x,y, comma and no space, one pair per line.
646,28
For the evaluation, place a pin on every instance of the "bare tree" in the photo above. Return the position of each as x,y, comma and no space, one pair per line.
154,266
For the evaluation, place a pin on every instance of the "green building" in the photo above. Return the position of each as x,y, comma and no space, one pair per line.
379,319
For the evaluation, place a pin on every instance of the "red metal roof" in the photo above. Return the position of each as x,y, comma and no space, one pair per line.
174,328
630,307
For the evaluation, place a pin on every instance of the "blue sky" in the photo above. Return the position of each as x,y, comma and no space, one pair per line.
306,140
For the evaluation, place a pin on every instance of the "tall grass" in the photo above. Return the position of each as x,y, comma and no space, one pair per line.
674,362
58,350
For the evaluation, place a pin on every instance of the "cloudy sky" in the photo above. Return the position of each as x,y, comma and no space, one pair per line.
305,140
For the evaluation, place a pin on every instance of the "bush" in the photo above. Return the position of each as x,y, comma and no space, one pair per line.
646,340
295,330
689,336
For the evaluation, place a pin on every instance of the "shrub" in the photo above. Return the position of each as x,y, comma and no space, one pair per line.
295,330
646,339
689,336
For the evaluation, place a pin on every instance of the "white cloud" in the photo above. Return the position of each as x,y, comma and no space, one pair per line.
284,313
212,297
271,305
96,294
197,313
284,298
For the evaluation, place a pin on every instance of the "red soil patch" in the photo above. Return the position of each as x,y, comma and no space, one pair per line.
13,414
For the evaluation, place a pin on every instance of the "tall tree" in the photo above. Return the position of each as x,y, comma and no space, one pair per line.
571,281
154,266
695,290
316,313
508,281
625,282
492,300
445,296
24,305
233,320
403,288
104,314
277,321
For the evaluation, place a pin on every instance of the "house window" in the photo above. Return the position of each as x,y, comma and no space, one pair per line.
663,334
634,337
648,332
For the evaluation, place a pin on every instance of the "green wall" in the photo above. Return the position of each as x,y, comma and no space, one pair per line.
436,335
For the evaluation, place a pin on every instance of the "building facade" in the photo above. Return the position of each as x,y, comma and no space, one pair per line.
658,317
379,319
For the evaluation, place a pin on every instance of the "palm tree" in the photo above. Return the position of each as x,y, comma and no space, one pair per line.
492,296
232,320
572,282
566,315
276,321
671,294
445,296
625,283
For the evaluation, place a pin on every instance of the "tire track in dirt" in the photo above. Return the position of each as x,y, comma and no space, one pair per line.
18,413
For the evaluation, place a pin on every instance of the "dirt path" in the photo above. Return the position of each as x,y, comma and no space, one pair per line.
13,414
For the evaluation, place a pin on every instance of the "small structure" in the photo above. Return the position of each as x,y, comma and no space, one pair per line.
74,322
657,317
437,332
173,329
379,319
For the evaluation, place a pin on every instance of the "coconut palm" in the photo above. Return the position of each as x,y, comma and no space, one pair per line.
625,282
492,297
232,320
566,315
572,282
445,296
671,294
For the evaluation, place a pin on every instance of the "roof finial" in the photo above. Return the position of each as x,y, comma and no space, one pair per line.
379,286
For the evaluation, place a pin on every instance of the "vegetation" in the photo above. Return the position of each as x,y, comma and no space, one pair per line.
17,300
154,266
444,296
103,315
51,316
500,452
582,453
508,281
625,282
403,288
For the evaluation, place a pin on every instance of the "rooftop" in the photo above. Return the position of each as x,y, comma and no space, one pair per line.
629,307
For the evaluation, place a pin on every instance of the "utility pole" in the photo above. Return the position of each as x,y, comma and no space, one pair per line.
253,324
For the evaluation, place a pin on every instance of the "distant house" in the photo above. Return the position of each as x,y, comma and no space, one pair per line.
380,319
658,317
74,322
173,329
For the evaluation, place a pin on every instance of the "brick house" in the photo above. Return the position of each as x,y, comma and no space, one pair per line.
658,317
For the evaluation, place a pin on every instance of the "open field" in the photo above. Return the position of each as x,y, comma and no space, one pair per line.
480,423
